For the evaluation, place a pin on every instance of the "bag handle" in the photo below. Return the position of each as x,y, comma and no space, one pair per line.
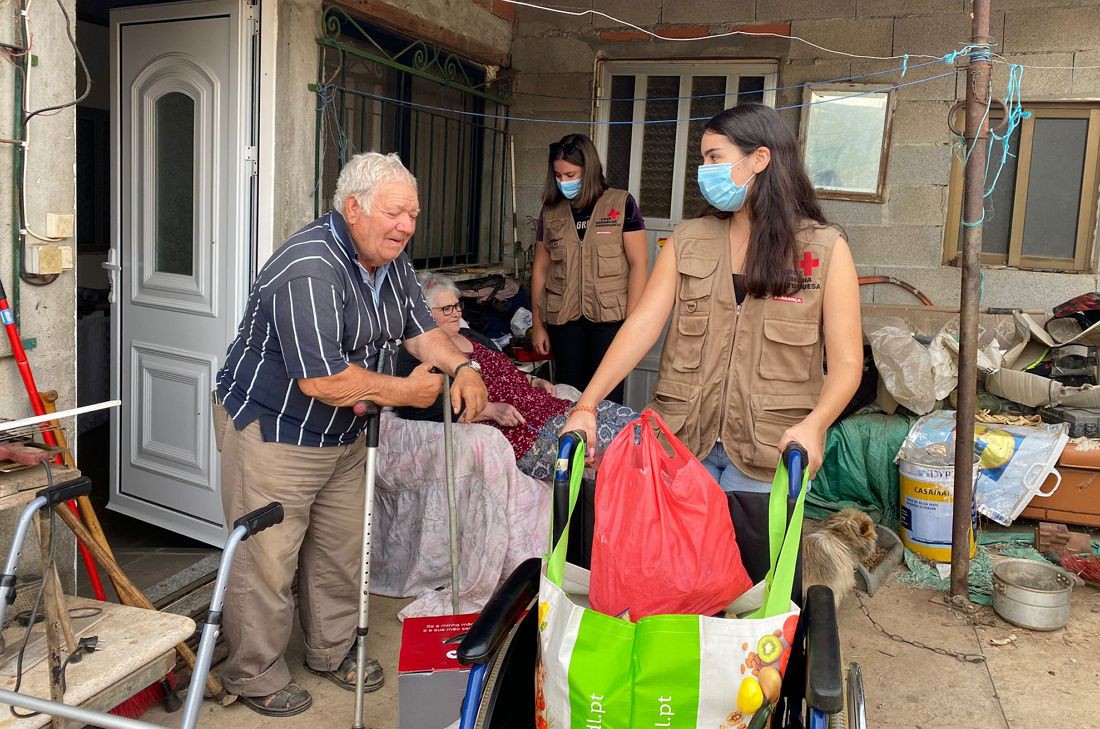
784,538
650,421
571,468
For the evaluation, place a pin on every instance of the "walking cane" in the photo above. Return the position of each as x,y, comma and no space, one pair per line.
373,414
452,498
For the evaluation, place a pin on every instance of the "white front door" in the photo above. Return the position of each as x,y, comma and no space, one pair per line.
183,229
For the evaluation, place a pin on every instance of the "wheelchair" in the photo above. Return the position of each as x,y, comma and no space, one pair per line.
501,646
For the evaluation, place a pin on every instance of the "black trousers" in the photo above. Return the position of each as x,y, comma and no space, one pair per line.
578,348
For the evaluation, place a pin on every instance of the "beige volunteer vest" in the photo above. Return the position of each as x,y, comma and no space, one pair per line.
742,376
587,278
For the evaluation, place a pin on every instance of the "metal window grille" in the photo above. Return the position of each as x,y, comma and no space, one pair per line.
380,92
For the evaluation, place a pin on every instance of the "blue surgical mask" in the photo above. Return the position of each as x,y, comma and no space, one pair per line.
569,188
718,187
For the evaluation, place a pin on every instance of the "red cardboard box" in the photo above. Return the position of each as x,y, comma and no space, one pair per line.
431,681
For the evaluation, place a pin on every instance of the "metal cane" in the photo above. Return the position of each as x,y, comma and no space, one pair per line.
373,414
452,498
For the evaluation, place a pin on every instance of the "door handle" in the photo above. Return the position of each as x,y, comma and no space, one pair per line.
112,268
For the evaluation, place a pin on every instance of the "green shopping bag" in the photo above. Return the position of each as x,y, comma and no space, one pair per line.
682,671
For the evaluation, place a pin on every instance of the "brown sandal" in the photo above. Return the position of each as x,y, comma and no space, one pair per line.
290,700
344,675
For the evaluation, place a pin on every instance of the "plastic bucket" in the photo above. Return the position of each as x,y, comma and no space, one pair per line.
927,505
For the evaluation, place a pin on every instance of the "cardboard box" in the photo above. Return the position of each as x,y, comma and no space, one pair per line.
430,680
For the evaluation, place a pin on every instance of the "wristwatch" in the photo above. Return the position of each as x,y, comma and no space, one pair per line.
471,364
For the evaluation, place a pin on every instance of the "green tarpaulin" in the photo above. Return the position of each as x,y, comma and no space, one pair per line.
859,469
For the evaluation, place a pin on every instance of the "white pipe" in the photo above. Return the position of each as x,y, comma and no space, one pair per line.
37,419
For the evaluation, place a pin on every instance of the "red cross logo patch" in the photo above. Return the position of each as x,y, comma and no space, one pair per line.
808,264
614,214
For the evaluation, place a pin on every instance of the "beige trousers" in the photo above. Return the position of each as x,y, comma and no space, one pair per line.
321,490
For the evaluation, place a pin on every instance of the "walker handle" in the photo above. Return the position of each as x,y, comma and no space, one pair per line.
795,456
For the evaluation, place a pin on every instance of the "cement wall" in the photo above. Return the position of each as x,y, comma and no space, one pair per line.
902,237
47,313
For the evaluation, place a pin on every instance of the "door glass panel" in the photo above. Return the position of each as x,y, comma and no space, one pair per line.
619,135
750,90
709,99
659,146
1054,187
175,189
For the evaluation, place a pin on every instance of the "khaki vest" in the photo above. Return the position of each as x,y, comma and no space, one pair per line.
587,278
742,376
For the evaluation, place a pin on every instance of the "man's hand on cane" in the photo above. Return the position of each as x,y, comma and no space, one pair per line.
468,391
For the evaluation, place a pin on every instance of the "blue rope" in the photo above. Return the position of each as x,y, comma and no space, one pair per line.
1016,115
585,122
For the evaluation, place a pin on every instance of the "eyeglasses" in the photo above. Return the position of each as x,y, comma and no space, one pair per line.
449,308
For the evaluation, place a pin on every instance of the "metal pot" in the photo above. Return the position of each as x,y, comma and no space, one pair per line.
1031,594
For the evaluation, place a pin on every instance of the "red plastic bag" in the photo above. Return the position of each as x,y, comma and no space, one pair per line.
663,541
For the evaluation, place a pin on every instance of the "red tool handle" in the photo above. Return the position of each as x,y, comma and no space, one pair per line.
21,362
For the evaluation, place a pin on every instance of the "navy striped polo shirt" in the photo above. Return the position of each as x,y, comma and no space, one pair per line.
313,312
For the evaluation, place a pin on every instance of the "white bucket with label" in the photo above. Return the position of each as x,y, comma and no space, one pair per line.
927,508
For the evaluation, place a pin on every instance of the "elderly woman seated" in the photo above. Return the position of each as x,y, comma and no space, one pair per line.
524,410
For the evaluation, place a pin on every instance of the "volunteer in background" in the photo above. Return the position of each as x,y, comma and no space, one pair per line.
590,262
321,314
758,288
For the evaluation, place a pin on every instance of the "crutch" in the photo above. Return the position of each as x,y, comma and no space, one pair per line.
452,498
373,413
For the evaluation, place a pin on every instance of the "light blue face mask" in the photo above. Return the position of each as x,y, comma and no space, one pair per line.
569,188
718,187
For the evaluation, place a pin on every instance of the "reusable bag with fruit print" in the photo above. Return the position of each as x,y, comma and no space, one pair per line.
678,671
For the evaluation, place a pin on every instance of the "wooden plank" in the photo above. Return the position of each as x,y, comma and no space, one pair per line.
58,631
132,639
148,674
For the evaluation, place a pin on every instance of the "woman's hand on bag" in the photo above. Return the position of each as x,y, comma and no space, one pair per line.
586,423
540,340
810,436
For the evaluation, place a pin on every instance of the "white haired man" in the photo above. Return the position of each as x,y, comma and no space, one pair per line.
318,321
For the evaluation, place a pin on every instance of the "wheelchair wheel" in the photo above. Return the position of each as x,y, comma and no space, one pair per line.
508,698
854,701
854,713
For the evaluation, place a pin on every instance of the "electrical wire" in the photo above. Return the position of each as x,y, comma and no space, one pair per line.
998,58
712,36
83,66
47,573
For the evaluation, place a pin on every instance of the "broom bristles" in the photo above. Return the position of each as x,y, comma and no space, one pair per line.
153,694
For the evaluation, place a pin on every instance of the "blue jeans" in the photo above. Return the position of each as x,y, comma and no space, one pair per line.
728,476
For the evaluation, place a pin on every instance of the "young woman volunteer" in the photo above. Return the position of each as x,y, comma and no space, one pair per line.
758,288
590,263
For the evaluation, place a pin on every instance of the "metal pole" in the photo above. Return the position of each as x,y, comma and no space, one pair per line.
977,130
373,414
452,496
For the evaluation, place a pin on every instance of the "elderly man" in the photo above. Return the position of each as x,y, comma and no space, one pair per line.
319,319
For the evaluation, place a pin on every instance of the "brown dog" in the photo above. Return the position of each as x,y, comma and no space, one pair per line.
831,552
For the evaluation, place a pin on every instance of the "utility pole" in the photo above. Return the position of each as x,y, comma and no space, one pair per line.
977,132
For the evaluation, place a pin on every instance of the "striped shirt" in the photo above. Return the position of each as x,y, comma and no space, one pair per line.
313,312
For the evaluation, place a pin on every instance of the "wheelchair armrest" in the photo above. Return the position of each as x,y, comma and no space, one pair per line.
824,678
501,613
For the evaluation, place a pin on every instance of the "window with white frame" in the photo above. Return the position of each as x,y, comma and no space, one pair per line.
656,162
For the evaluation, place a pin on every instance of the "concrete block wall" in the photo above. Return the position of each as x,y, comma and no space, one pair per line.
47,313
902,237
